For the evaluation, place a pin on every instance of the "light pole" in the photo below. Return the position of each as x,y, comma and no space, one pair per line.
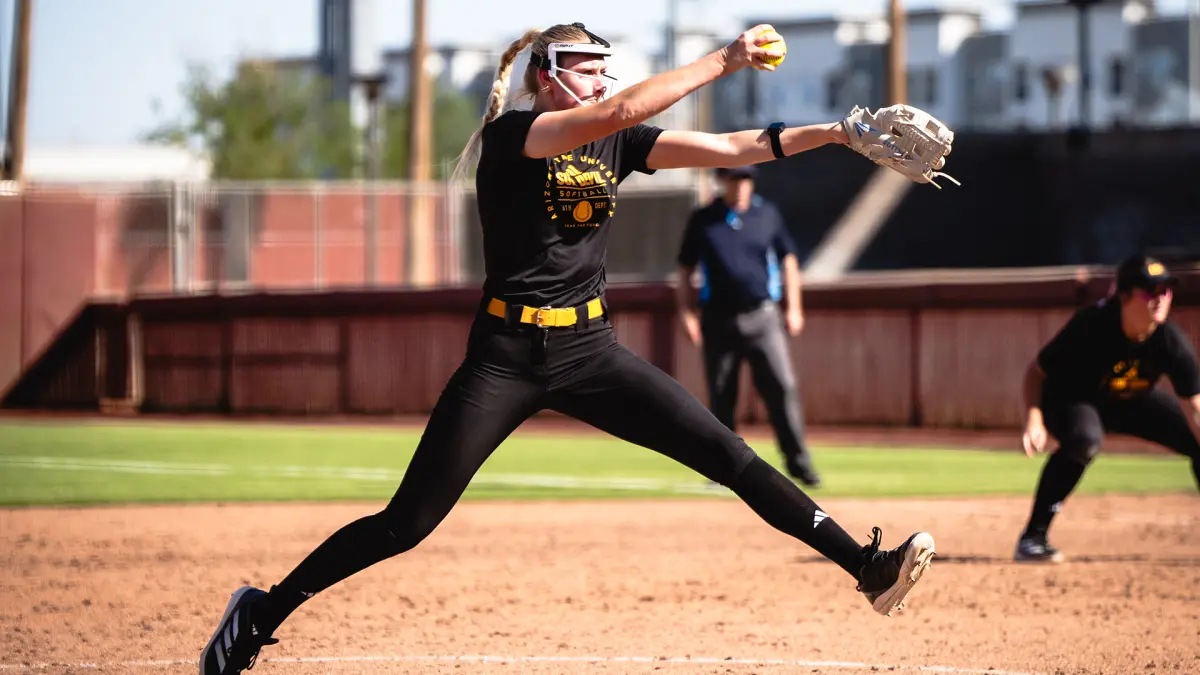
1077,136
896,79
372,87
1194,61
1084,33
420,268
695,104
12,166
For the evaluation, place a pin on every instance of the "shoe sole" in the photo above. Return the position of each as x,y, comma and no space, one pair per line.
1040,559
809,480
233,602
917,559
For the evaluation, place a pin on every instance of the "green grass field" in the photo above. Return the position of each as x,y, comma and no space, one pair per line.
94,463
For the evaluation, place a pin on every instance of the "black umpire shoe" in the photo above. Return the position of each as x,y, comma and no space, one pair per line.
802,472
1034,548
887,576
235,645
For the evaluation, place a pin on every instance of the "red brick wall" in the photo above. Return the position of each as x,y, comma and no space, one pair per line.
59,247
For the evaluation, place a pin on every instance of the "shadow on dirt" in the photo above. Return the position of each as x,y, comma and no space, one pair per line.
1084,559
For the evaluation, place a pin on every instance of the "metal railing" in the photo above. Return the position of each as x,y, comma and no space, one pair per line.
187,238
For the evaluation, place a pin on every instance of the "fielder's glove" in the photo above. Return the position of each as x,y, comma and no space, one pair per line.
902,138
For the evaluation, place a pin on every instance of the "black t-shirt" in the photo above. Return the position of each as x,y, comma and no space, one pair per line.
545,221
739,254
1091,359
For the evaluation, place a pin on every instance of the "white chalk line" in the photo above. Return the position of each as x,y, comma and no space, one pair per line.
793,663
370,474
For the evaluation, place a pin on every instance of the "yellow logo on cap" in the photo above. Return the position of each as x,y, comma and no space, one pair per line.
1155,269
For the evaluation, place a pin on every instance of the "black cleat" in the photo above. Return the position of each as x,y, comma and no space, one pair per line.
1034,548
887,576
235,645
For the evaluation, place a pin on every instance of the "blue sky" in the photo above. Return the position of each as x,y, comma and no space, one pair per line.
99,66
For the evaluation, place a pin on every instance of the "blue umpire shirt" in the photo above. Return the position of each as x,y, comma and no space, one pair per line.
739,254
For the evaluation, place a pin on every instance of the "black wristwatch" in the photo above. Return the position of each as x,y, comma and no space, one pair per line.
773,132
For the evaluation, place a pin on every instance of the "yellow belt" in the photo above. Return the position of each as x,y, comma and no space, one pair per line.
547,317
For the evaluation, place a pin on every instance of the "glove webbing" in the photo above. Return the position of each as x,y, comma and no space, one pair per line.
917,141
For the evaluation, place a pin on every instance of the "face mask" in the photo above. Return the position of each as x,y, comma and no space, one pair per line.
550,64
597,47
606,79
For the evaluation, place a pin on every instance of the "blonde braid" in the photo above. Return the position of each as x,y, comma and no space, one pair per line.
500,86
495,101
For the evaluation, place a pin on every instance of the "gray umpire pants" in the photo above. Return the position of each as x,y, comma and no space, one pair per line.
758,336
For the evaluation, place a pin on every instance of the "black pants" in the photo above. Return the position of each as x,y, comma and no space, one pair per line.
509,373
1080,426
757,336
1155,416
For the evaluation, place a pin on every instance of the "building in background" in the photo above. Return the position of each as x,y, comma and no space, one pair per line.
830,62
1025,76
1043,55
986,85
135,163
463,68
835,63
1160,72
696,110
349,47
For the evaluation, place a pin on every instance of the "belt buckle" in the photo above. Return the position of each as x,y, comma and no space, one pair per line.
537,317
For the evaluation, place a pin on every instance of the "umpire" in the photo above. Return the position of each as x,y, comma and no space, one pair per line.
1098,375
748,263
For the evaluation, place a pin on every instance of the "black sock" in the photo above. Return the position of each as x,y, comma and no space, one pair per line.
351,549
1059,477
784,506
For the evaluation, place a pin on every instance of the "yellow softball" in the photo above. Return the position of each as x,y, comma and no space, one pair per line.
776,42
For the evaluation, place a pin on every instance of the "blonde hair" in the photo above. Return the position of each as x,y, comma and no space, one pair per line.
538,41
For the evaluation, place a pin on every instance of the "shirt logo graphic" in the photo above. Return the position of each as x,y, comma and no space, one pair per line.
1126,380
579,185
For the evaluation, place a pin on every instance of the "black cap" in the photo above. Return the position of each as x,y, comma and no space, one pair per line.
749,171
1144,272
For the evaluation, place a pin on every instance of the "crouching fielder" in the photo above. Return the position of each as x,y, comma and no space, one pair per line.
1098,375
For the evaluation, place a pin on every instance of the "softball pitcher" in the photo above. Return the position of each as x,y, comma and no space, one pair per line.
547,183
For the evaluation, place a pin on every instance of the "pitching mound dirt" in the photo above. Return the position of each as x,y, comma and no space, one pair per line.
679,587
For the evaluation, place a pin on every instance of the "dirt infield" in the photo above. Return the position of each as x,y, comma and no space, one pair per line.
673,587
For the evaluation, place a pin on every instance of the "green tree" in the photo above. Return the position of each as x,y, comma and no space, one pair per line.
455,118
264,123
275,123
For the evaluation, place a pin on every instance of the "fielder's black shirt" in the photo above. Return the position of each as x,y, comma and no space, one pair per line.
545,221
1091,359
